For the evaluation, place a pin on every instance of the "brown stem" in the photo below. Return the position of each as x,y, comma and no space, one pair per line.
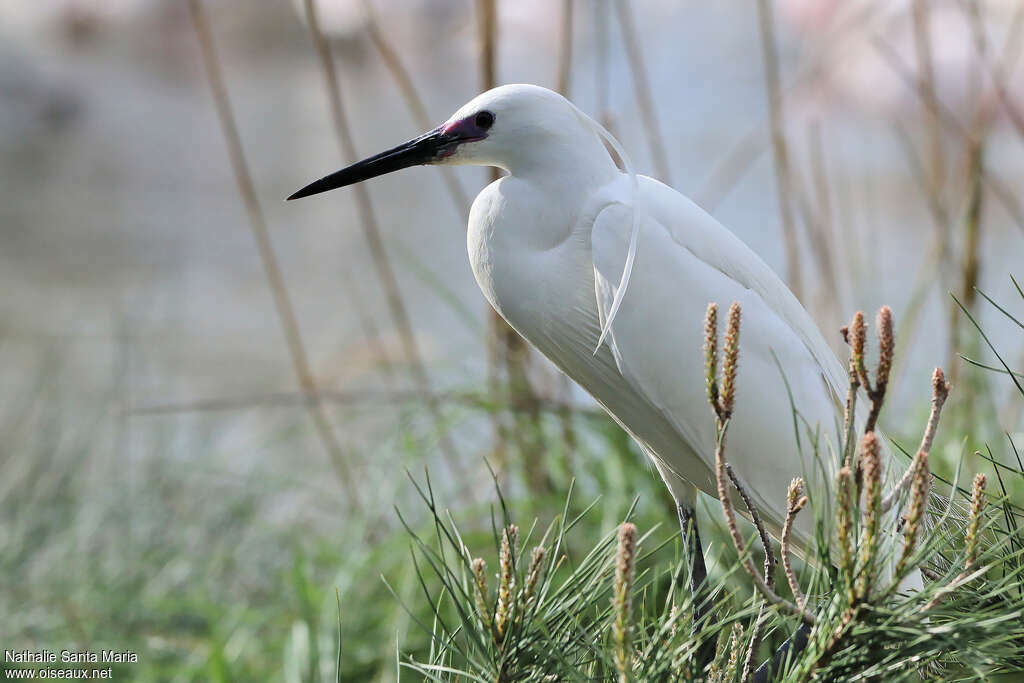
737,539
393,63
796,503
783,177
371,231
644,99
940,392
565,49
272,270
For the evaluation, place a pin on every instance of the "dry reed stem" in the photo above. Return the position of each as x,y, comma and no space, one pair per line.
622,599
471,399
1001,190
780,147
997,68
369,326
971,261
497,334
644,98
565,51
819,219
271,268
795,503
934,172
929,97
747,149
393,63
504,345
371,232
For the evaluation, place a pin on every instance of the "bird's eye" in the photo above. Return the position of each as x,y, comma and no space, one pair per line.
484,120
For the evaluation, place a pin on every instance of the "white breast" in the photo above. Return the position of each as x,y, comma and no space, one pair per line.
544,289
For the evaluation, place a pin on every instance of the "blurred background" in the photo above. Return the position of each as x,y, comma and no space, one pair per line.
209,398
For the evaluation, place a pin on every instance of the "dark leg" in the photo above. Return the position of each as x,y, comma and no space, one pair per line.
698,577
797,642
691,540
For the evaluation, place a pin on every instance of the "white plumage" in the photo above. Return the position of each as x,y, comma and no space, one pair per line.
550,243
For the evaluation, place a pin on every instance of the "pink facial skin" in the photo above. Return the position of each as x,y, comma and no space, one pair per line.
463,130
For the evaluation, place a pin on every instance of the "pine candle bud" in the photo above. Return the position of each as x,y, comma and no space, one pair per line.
886,347
844,505
622,598
479,567
506,579
858,340
711,353
533,573
918,504
871,459
974,525
731,359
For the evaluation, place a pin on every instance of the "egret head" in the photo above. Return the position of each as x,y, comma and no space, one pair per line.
512,126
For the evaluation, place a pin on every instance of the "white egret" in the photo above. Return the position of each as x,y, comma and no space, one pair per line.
609,274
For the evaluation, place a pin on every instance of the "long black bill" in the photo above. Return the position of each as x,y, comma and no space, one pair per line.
422,150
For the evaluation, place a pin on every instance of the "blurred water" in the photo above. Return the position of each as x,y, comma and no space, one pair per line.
124,246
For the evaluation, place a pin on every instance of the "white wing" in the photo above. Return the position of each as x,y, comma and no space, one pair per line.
684,260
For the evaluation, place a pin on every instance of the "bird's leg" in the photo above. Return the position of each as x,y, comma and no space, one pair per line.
797,642
694,550
698,576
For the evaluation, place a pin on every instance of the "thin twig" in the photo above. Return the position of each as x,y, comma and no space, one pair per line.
940,392
997,68
849,414
565,49
737,538
795,503
723,409
505,346
393,63
783,178
1000,189
644,99
971,263
871,519
819,220
769,572
486,402
371,232
770,563
929,98
272,270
